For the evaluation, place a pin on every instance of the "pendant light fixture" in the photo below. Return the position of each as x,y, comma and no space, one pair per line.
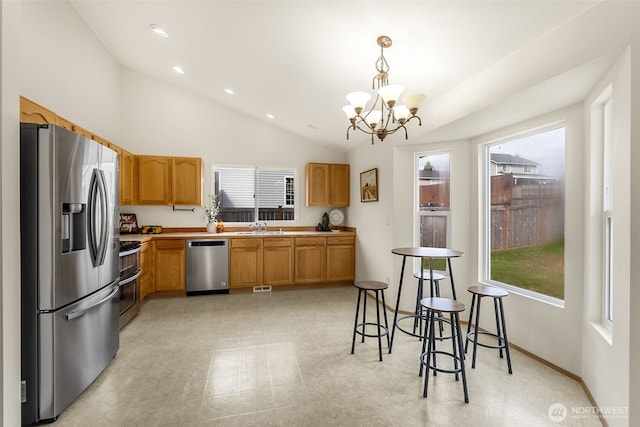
386,116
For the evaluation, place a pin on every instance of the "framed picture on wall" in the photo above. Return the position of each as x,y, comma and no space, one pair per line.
369,185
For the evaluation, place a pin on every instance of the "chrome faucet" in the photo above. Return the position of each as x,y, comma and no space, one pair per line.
259,227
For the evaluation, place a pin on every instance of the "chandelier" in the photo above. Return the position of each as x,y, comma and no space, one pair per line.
387,117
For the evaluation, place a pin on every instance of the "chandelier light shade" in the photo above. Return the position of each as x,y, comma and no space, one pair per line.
385,116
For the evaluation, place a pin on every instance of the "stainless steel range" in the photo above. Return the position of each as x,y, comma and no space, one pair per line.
129,274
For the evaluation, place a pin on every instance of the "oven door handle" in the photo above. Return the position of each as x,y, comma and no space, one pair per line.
130,252
130,279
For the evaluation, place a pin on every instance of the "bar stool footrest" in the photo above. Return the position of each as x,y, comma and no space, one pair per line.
470,337
423,360
383,330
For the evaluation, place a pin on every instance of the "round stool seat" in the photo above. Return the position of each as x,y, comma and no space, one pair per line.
488,291
371,285
443,305
426,275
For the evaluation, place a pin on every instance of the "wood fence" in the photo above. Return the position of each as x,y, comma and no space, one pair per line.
526,225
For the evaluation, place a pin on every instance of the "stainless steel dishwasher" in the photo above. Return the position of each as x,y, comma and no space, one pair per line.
207,266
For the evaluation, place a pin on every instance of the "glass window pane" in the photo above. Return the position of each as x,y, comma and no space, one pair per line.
526,212
275,195
433,203
249,194
235,189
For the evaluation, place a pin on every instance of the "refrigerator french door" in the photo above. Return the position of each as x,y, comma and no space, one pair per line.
69,255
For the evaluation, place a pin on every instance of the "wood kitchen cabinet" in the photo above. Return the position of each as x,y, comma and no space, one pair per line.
245,262
127,166
169,180
278,261
341,258
187,177
127,161
169,266
154,180
327,185
310,259
146,265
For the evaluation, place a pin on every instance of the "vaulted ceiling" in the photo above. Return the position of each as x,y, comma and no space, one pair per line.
297,60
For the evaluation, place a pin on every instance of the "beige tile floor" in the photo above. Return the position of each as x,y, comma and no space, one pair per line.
283,359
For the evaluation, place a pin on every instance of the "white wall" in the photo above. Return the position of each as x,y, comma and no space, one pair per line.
66,68
9,230
634,235
609,381
158,119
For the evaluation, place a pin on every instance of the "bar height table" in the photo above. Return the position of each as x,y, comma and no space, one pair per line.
422,253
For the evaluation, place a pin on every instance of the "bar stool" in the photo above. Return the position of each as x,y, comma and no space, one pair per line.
378,288
434,292
478,292
434,307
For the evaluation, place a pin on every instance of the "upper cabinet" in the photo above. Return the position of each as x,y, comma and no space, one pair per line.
169,180
187,180
327,185
127,166
144,180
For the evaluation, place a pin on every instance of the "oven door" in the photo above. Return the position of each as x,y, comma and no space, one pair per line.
129,292
129,263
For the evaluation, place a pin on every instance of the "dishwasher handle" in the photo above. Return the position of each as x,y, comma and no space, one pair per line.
198,243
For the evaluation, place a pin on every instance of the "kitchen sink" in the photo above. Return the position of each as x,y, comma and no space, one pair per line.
259,233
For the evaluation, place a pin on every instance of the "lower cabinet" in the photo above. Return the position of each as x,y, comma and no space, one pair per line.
310,259
146,265
245,263
169,262
278,261
341,258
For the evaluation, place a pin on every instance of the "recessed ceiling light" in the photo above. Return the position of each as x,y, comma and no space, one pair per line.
229,91
159,31
270,116
178,69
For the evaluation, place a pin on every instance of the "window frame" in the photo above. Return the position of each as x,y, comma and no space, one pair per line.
418,213
256,169
484,172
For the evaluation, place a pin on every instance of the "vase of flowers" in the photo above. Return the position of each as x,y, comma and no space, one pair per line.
211,211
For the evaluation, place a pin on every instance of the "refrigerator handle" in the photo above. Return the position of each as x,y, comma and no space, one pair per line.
98,218
76,314
104,217
91,211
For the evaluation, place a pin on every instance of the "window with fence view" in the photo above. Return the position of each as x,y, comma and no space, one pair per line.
249,194
433,210
525,211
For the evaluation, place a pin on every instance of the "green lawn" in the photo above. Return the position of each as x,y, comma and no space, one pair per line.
537,268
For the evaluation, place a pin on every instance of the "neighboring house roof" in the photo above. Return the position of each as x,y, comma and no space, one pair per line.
500,159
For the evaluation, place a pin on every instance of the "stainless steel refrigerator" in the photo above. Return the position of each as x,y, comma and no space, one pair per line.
69,195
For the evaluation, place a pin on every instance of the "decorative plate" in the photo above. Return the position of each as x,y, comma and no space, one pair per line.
336,217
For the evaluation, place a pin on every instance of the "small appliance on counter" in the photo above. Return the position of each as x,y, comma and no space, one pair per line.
151,229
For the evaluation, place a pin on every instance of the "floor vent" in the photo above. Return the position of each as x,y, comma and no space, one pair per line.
262,289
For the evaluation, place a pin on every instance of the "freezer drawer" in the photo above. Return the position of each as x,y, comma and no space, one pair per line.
207,266
76,343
